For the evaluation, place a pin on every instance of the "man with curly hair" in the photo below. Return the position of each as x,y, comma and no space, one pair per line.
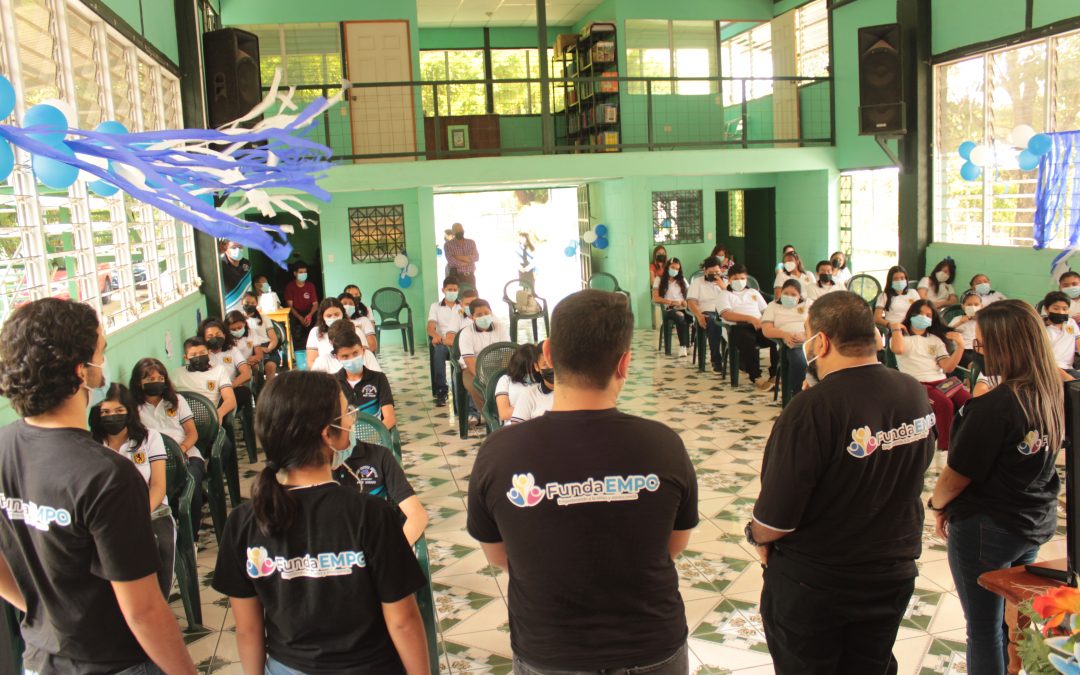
77,552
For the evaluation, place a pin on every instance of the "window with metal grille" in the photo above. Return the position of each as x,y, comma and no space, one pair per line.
736,214
812,39
377,232
677,217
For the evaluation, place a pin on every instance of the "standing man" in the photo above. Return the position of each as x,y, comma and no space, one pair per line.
77,553
461,256
703,300
586,508
839,520
235,275
303,301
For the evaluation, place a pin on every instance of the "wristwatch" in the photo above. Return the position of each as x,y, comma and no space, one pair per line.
749,532
930,505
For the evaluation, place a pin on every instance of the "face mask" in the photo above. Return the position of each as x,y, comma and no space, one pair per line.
350,310
738,284
660,257
97,394
838,264
672,272
215,343
982,289
251,310
548,374
302,276
354,366
970,309
723,259
900,285
237,333
711,278
113,424
809,359
789,266
788,300
266,287
1056,318
942,276
235,253
825,278
468,310
920,322
153,388
341,455
1072,291
451,296
330,320
484,322
199,364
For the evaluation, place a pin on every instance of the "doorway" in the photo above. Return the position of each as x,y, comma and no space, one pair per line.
746,224
307,247
383,118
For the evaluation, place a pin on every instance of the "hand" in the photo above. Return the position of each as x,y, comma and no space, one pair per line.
941,525
306,321
792,340
893,325
763,553
756,323
253,360
701,321
436,340
957,338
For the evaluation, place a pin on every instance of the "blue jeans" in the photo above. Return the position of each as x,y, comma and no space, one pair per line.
715,330
676,664
796,363
439,356
278,668
976,545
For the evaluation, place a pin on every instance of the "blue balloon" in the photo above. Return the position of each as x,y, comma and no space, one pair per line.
601,230
438,251
601,242
1040,144
970,172
965,149
570,251
111,127
1028,160
49,117
404,281
53,173
7,160
7,97
103,188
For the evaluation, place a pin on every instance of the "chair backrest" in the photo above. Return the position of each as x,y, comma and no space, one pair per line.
280,335
695,275
370,429
176,473
388,303
493,358
206,420
455,349
602,281
751,282
511,289
491,410
864,286
951,312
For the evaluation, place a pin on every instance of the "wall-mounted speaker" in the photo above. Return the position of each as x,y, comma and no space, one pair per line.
881,90
233,77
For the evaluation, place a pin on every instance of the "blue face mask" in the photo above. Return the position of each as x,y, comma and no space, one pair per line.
672,272
900,285
451,296
340,456
982,289
788,300
354,366
302,276
920,322
265,288
237,333
1072,291
97,394
484,322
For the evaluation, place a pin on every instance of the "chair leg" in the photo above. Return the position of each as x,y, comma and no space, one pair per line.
405,340
536,332
702,348
461,406
215,491
247,422
232,472
733,364
513,329
187,576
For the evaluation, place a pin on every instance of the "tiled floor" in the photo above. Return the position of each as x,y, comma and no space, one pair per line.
724,431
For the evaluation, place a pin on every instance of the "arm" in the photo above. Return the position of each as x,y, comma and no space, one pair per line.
735,317
311,354
271,335
293,311
250,634
416,518
496,555
923,292
406,629
372,343
949,363
191,436
389,417
765,536
776,291
879,317
695,309
433,333
9,590
505,409
896,338
769,330
157,483
677,543
949,485
228,403
470,366
243,374
981,387
153,623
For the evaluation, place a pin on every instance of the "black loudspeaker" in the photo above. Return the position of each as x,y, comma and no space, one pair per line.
881,86
233,78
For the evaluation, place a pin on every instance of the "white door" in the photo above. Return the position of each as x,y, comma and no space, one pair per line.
383,118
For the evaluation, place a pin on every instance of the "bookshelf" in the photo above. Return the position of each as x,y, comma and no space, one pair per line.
592,105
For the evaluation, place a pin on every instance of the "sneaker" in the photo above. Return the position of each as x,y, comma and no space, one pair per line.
474,420
440,400
764,383
682,351
716,368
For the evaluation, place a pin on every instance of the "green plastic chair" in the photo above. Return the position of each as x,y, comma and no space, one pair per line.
491,359
866,287
751,282
370,429
950,312
457,384
389,304
229,462
602,281
491,408
211,444
180,486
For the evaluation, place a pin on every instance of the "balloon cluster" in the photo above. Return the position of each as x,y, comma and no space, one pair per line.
571,248
408,270
976,155
597,236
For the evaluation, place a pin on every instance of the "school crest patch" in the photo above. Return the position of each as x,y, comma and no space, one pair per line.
139,458
210,386
171,412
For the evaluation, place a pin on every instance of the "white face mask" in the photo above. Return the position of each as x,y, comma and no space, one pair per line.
971,309
809,360
738,284
942,276
789,266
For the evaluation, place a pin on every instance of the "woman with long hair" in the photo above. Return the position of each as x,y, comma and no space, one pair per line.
792,268
318,340
264,333
320,577
721,253
520,375
996,501
938,285
893,303
785,319
669,291
841,270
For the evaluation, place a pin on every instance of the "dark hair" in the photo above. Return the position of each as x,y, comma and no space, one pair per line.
889,292
258,315
798,261
477,304
716,251
325,305
946,263
41,344
298,265
118,393
655,249
143,368
216,323
343,335
969,293
785,249
937,326
790,283
236,317
449,281
1069,275
346,289
520,367
193,342
980,274
665,278
467,292
1055,296
590,332
711,261
818,266
737,268
361,308
848,322
294,408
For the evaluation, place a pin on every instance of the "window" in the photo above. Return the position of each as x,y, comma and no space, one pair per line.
659,49
677,217
871,201
982,99
306,53
747,55
736,214
454,64
812,39
377,232
519,98
118,255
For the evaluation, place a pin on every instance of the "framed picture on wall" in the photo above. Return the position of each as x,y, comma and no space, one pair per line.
457,137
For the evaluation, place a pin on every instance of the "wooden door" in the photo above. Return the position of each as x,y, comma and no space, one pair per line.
383,118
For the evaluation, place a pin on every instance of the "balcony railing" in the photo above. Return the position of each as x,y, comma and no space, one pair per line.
388,121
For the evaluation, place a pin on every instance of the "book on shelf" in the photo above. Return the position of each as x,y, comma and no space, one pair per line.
610,82
602,52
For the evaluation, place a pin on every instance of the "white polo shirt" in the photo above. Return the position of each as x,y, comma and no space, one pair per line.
322,344
705,293
787,319
944,290
991,297
209,383
1074,307
533,403
814,291
473,340
258,332
674,290
447,319
510,389
1063,342
966,329
327,363
805,279
747,301
169,421
230,359
921,356
841,277
900,305
364,325
152,449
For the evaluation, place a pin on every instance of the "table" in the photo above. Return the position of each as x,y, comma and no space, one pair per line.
1016,585
281,316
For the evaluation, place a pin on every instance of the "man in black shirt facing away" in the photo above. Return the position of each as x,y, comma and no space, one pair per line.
839,520
586,507
76,550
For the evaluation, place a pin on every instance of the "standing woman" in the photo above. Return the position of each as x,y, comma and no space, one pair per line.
657,264
996,501
320,577
938,285
669,291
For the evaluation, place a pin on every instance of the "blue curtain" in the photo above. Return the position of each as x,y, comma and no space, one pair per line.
1057,195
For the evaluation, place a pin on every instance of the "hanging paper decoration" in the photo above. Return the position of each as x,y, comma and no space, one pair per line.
401,261
570,251
179,171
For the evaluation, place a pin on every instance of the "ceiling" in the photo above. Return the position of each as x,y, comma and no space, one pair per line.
474,13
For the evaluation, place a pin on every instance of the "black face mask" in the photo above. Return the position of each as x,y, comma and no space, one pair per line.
251,309
1056,318
837,264
548,374
154,388
711,278
199,364
113,424
215,343
824,278
660,257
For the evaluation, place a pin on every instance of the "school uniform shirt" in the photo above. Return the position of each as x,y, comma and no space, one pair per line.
447,319
329,364
321,343
364,325
230,359
843,476
1063,342
841,277
245,346
991,297
747,301
75,517
805,279
534,402
705,293
511,390
585,502
815,291
1074,307
788,319
375,472
169,421
322,583
921,356
1011,467
966,329
944,290
142,455
674,290
473,340
369,394
208,383
899,306
258,331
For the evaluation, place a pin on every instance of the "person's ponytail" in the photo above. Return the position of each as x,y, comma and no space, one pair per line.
272,503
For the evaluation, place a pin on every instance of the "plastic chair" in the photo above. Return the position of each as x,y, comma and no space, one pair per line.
229,464
211,444
388,304
457,384
751,282
370,429
491,408
951,312
780,388
180,486
866,287
602,281
491,359
515,316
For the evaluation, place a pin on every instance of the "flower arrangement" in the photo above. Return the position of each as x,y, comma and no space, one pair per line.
1051,644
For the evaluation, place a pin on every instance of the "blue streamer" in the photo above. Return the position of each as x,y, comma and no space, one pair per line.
1057,197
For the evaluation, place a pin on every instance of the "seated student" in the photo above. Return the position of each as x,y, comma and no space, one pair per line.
267,300
444,321
366,390
669,290
328,363
740,308
788,248
919,345
361,308
248,342
703,300
721,253
223,352
482,331
965,325
374,470
318,340
937,286
518,378
785,319
893,303
792,269
198,376
351,610
465,299
537,399
1069,283
980,283
841,273
264,334
115,423
825,283
365,327
1063,332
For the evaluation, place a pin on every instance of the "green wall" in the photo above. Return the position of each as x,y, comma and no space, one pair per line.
958,23
1017,272
155,20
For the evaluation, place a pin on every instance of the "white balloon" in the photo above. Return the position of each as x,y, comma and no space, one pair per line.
589,237
1021,135
981,155
99,162
412,270
401,261
64,107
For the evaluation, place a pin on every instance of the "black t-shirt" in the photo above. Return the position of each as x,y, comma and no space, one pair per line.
369,394
377,473
232,275
321,583
75,517
586,503
843,474
1010,465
